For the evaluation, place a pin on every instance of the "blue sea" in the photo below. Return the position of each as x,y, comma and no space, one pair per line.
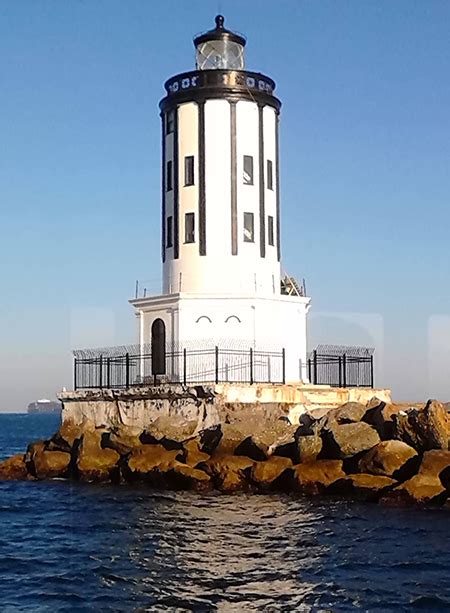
74,547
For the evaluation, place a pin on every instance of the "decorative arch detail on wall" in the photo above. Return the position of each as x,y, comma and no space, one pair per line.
232,317
203,317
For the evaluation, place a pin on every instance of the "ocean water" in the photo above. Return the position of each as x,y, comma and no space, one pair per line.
74,547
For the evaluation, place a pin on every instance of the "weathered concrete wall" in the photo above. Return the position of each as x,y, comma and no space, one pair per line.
201,407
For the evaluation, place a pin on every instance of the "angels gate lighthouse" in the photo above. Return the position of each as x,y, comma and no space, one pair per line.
223,287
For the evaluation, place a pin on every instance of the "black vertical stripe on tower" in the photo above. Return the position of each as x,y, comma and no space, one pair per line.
262,208
201,179
163,188
234,233
277,179
176,204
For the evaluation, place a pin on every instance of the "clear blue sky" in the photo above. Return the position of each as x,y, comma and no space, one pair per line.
365,172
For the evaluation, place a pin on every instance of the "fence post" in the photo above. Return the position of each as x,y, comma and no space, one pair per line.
251,366
75,367
216,353
184,365
127,370
283,364
100,372
371,371
315,366
344,370
309,370
340,371
108,373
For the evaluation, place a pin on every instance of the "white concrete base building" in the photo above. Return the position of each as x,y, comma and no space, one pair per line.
221,252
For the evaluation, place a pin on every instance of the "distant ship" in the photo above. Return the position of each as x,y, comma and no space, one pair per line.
44,406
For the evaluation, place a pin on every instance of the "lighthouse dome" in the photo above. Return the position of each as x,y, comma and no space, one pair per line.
220,49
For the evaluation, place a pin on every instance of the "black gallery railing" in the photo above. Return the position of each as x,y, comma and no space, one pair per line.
341,366
187,366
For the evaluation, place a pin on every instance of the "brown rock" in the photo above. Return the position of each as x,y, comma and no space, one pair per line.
347,440
390,458
193,456
210,439
273,474
50,464
122,440
316,477
379,416
309,447
183,477
65,438
150,457
230,473
13,469
93,463
423,429
363,486
252,448
421,490
434,462
348,413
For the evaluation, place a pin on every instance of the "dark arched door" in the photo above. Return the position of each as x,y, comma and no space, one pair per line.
158,347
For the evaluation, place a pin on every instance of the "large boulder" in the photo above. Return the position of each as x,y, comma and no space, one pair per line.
43,464
316,477
183,477
93,462
423,429
149,458
252,448
309,447
426,487
421,490
363,486
14,469
347,440
66,437
122,440
379,415
272,474
230,473
348,413
193,454
209,439
390,459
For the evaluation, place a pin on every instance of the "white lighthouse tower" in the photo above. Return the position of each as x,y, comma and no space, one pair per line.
222,282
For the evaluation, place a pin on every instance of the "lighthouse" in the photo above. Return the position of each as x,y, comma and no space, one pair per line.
222,280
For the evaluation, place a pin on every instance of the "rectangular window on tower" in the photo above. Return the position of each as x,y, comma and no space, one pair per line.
169,232
248,170
270,230
169,176
189,228
189,170
170,122
269,174
249,228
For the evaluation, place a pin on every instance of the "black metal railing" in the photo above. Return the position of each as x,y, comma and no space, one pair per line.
341,366
187,366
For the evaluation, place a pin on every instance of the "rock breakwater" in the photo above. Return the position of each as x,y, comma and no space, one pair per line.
376,452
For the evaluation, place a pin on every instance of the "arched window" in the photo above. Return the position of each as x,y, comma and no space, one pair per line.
203,317
233,318
158,347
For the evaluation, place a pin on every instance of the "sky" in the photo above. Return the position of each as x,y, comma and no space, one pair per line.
365,173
